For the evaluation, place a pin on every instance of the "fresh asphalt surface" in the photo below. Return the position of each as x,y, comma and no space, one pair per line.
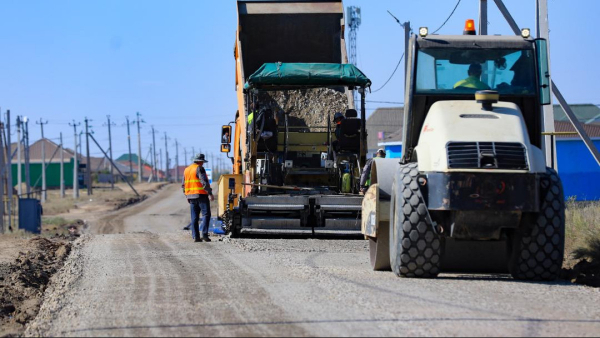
154,281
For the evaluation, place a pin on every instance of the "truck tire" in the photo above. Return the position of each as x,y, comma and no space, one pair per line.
415,249
379,248
537,251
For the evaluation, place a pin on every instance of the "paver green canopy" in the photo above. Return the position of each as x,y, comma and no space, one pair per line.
299,75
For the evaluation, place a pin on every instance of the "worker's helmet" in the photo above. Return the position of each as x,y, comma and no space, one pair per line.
338,117
381,153
199,158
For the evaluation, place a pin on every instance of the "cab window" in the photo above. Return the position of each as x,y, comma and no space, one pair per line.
452,71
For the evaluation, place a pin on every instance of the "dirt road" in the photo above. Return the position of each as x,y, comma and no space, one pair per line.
153,281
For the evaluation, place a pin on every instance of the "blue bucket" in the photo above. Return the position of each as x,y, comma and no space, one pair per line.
216,227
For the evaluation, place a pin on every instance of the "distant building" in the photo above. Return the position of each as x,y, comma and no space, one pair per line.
392,145
173,172
146,167
381,124
134,159
577,168
35,165
100,166
579,171
586,113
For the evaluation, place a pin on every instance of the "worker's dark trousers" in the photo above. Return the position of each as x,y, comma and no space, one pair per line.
198,205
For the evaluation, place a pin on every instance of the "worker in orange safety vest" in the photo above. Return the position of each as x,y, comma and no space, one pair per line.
198,192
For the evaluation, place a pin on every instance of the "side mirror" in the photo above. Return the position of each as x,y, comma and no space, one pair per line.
543,71
226,135
225,148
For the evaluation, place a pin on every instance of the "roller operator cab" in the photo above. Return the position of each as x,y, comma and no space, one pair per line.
472,192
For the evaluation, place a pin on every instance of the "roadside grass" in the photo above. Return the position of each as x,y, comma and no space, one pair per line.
51,227
56,221
582,232
57,226
56,205
17,234
591,252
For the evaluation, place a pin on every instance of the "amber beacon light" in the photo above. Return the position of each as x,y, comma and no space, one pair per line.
469,27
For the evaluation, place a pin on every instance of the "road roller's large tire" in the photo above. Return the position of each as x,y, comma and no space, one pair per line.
382,175
415,249
537,250
379,248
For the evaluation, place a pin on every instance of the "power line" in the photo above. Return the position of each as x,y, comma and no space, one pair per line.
455,7
402,57
398,65
390,102
191,125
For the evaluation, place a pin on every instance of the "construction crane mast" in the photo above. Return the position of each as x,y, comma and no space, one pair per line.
354,20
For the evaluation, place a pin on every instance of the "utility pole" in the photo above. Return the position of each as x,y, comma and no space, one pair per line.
62,167
177,160
139,148
185,157
19,172
110,149
129,142
75,162
160,165
88,169
44,194
9,170
151,163
193,151
483,17
26,137
2,164
154,154
80,143
166,157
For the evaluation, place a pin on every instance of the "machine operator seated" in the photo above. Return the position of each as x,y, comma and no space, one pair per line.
347,132
474,79
266,130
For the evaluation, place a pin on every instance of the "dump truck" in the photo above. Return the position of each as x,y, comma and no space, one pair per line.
472,192
293,169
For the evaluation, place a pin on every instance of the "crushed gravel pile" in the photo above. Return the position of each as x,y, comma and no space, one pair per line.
310,107
23,282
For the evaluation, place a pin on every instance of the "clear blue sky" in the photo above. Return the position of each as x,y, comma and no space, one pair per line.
173,62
